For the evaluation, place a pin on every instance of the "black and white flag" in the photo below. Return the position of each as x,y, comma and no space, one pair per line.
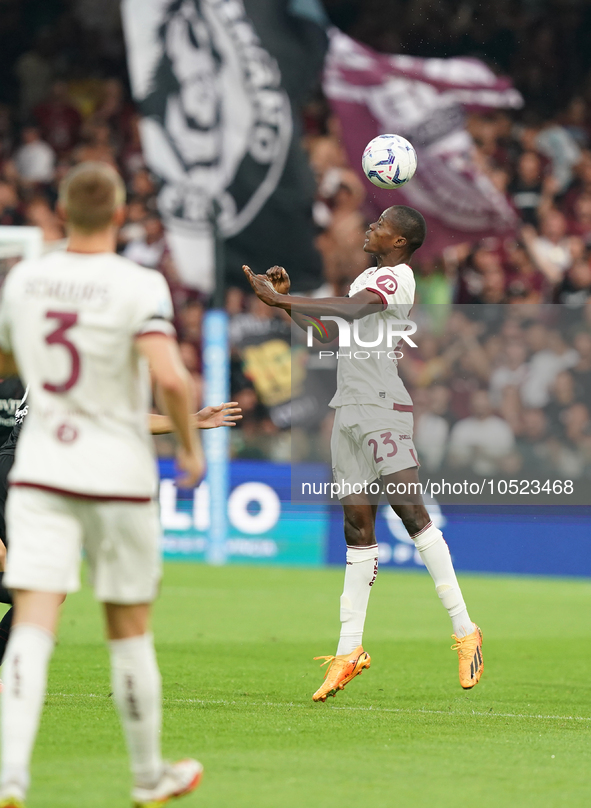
217,83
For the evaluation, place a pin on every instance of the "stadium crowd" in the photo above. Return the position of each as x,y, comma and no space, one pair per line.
69,102
503,391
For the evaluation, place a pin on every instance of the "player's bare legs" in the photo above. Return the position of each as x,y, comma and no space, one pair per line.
25,681
360,573
362,565
434,552
125,621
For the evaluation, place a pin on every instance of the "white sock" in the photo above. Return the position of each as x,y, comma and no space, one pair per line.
24,673
138,696
360,573
435,554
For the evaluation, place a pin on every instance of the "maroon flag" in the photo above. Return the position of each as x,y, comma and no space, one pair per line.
424,100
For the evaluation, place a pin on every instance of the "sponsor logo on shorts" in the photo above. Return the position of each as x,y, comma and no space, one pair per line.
404,437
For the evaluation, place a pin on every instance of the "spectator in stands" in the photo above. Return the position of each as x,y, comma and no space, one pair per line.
190,321
9,205
576,121
142,187
35,159
481,442
97,144
526,189
511,372
582,370
59,119
562,396
532,446
148,249
38,213
582,218
431,430
551,250
133,229
573,455
575,288
525,283
554,141
34,70
551,355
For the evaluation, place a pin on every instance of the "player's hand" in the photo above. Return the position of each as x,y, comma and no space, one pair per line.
193,464
262,287
280,280
223,415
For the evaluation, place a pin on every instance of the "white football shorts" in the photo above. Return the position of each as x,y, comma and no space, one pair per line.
49,531
369,442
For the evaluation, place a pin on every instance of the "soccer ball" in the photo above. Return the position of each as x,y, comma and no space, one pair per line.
389,161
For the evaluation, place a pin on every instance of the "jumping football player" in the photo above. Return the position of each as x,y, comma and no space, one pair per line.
82,326
372,439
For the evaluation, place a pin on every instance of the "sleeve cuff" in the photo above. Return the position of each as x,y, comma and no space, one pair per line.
381,295
156,326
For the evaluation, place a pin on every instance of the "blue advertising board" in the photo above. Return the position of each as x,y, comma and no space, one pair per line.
515,540
266,527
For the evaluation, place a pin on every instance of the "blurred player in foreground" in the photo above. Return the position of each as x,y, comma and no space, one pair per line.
79,327
208,418
372,439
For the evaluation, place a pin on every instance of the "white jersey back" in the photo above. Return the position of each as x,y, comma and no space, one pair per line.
367,371
71,320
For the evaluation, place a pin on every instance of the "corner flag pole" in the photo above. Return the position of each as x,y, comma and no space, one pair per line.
216,364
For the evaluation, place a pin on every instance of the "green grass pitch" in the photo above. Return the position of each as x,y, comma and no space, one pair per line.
235,647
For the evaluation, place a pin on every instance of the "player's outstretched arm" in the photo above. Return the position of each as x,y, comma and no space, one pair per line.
282,284
348,308
172,379
221,415
208,418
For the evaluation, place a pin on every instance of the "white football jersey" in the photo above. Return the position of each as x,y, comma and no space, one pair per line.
367,371
71,321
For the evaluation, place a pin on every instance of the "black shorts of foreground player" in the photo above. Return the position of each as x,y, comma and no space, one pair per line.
372,440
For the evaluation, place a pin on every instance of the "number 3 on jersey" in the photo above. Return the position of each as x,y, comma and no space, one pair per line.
66,320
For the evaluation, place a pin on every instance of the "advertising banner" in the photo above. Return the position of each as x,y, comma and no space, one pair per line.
266,527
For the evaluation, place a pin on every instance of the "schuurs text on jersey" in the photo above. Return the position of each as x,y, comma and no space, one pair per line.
71,321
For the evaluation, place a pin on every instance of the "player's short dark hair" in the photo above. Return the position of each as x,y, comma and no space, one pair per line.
410,223
90,194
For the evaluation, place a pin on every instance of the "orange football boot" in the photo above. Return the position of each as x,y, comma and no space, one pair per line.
340,671
469,650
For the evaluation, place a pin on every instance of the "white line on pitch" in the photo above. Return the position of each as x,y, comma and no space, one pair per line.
476,713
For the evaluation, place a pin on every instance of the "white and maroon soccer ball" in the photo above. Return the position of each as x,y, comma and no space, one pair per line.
389,161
